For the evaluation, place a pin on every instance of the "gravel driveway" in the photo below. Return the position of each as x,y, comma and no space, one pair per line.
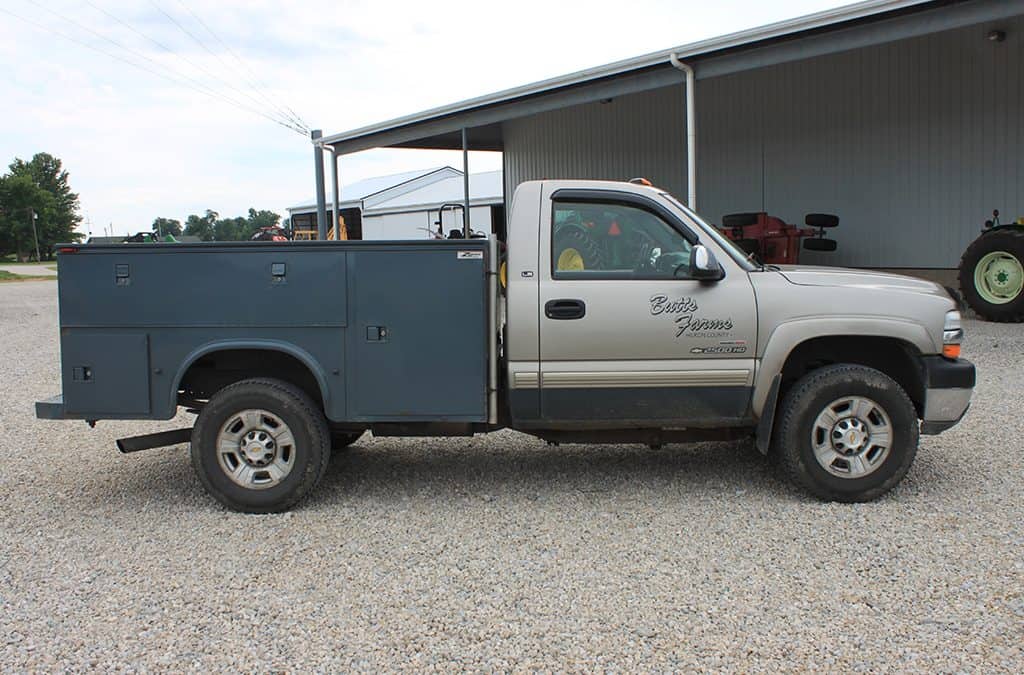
31,270
503,553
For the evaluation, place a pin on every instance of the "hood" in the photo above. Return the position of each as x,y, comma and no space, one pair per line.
841,276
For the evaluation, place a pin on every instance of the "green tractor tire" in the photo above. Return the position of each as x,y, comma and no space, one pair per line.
992,275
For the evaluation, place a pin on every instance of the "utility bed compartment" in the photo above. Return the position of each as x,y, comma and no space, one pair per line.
392,331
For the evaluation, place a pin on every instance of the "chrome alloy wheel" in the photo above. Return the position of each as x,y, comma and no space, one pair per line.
851,437
256,449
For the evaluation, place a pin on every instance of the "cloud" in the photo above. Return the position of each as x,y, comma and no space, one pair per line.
139,146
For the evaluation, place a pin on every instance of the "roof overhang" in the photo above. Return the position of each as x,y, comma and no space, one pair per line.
832,31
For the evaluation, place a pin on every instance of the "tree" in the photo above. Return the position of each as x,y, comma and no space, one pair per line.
211,227
262,218
167,226
21,199
202,226
232,229
40,186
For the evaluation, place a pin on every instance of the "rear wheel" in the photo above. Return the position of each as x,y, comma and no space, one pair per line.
846,433
992,275
260,445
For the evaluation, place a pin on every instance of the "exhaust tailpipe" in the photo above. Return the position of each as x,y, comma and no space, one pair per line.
157,440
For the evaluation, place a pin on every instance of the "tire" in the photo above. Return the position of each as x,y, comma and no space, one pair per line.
821,220
260,416
342,439
739,220
871,470
990,275
818,244
589,252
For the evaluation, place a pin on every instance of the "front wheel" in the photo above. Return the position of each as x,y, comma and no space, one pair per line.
260,445
846,433
992,275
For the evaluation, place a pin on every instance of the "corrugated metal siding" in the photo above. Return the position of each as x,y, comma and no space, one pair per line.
635,135
911,143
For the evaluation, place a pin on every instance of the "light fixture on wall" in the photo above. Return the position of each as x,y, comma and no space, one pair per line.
996,36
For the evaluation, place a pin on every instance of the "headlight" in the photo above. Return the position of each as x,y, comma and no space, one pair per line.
952,335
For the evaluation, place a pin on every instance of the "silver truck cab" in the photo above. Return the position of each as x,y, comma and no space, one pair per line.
627,310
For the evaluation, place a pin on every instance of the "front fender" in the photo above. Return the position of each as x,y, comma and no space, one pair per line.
786,336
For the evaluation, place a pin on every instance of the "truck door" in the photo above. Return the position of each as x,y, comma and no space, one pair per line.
626,338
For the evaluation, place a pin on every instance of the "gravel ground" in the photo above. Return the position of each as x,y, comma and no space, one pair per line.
30,270
501,553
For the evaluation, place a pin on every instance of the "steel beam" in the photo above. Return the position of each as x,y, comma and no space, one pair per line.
321,207
337,190
465,183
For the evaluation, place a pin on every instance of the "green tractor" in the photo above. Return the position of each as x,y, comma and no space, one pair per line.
992,271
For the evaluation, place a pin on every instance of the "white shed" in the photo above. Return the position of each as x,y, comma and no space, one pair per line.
411,205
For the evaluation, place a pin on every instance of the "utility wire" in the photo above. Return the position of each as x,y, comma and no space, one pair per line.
197,41
200,86
169,78
170,51
258,85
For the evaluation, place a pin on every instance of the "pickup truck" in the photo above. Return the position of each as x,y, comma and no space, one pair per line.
612,314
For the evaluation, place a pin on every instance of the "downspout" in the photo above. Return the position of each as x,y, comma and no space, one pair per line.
691,130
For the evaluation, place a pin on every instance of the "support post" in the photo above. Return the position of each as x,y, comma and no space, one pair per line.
465,184
321,207
337,191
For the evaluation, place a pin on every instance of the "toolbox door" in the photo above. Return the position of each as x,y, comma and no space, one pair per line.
105,374
418,333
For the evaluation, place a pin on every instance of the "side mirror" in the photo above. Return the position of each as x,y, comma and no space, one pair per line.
703,264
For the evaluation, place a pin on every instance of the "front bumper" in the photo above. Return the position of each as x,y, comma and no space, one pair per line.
948,389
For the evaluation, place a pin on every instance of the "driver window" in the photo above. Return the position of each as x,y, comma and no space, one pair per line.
594,240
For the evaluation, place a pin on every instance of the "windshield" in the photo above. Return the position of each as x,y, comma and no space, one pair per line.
734,252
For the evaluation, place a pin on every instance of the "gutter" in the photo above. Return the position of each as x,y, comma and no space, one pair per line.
691,130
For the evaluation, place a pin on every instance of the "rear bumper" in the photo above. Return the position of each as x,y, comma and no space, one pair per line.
51,408
948,389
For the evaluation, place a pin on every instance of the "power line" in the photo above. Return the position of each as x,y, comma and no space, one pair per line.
259,85
200,43
169,78
172,52
121,46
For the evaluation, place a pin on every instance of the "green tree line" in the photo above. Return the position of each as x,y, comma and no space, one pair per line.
211,227
37,208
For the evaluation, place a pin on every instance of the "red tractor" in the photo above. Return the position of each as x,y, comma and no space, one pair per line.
271,233
772,240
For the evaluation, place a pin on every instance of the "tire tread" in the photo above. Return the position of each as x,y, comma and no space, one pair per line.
319,430
789,459
1011,312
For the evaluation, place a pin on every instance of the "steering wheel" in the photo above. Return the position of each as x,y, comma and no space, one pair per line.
647,251
673,261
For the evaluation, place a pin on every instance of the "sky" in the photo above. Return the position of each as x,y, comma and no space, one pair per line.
163,141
